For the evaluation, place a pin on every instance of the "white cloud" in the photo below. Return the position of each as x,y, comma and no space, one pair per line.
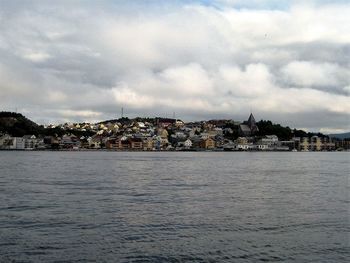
56,96
127,97
81,113
305,73
254,81
187,80
37,56
347,89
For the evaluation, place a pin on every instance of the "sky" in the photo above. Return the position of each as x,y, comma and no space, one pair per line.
74,61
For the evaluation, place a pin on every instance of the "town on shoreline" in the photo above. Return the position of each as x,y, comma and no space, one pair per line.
161,134
165,134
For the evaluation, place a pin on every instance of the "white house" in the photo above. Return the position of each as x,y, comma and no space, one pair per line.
269,140
188,143
18,143
30,141
262,147
242,147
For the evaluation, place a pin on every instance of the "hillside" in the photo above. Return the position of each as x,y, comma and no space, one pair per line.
15,124
340,136
18,125
266,127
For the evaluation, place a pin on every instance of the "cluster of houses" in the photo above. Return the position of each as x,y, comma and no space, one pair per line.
165,134
272,143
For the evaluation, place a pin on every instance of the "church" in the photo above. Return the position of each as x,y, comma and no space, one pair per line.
248,128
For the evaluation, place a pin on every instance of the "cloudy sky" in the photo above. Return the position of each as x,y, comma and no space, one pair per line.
288,61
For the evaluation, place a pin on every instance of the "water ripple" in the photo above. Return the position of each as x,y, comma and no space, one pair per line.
174,207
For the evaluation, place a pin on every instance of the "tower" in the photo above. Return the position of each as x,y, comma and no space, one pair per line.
252,124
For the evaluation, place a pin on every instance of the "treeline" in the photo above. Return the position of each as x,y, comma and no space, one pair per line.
266,127
17,125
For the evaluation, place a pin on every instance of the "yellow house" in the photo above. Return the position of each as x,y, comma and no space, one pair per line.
242,140
304,144
208,143
148,144
316,143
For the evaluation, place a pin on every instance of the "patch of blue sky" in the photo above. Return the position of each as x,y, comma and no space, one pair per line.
240,4
261,4
168,5
249,4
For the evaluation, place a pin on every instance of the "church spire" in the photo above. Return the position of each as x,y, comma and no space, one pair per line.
251,120
252,124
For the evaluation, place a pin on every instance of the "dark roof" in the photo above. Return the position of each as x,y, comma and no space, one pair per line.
244,128
251,120
27,136
135,140
165,120
252,124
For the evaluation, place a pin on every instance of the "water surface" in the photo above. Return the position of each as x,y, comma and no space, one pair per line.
174,207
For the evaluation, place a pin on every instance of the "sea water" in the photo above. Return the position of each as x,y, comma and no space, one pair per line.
174,207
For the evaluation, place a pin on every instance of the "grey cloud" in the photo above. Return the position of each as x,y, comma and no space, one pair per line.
85,60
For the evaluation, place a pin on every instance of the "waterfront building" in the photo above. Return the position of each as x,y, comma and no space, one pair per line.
262,147
95,142
208,143
184,144
112,144
241,140
304,144
69,141
147,144
242,147
18,143
30,142
315,144
290,144
5,141
328,145
270,140
136,144
342,144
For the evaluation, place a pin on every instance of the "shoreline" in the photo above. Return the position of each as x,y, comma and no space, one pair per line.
194,150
